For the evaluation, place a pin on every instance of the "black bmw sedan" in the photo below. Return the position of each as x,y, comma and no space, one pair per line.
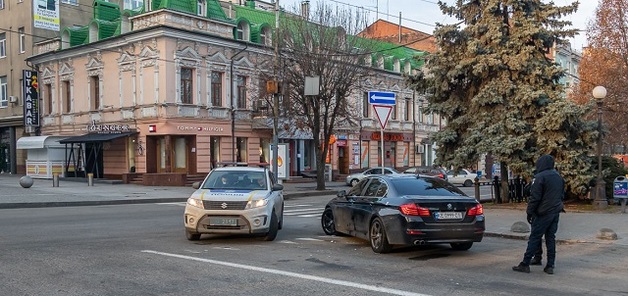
392,210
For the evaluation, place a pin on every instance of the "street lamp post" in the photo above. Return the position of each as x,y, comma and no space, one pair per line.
599,93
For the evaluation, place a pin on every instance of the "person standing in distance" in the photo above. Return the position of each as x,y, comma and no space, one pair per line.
544,207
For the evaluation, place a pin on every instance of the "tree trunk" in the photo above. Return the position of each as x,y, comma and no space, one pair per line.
320,167
504,182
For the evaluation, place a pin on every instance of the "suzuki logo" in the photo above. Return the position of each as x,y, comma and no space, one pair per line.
450,207
223,205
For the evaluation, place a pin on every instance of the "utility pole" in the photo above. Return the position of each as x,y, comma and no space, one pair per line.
276,97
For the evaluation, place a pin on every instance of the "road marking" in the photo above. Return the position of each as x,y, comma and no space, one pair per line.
309,239
291,274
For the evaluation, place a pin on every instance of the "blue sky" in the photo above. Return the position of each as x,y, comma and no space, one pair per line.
423,14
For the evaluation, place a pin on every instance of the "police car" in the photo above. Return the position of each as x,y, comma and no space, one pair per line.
235,200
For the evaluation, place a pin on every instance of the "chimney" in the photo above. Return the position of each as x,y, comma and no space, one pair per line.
305,9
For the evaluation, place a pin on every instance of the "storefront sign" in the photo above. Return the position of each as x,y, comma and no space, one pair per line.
31,98
200,128
388,137
107,128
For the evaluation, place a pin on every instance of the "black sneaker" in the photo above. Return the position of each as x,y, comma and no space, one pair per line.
536,261
522,268
549,270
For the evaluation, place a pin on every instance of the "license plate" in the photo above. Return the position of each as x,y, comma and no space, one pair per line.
448,215
223,221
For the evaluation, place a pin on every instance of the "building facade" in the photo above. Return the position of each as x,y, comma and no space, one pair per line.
162,93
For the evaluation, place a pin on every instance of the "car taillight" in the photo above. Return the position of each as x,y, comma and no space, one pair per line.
413,210
475,211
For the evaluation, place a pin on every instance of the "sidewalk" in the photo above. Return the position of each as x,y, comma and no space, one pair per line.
573,227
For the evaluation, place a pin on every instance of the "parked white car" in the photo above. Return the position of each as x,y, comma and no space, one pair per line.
462,177
236,200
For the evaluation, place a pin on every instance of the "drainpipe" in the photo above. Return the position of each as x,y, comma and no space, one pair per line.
233,106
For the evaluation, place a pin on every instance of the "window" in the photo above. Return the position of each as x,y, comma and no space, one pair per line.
186,85
241,151
94,92
216,91
241,91
4,99
201,7
1,4
393,112
48,98
265,36
365,105
408,109
3,44
133,4
420,116
242,31
20,31
67,97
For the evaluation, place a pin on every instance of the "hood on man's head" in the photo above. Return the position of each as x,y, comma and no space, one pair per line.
545,162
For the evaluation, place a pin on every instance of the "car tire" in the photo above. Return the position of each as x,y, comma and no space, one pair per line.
467,183
461,246
281,221
354,182
273,228
192,236
377,237
328,223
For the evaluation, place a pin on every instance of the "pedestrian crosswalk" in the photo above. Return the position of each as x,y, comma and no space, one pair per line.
292,210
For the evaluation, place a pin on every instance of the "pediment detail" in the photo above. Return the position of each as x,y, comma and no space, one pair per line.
188,53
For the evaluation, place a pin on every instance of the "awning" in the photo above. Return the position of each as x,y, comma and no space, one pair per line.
95,138
38,142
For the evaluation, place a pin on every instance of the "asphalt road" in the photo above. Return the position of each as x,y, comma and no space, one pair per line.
141,250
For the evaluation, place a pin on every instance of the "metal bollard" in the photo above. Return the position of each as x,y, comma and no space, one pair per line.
55,179
90,179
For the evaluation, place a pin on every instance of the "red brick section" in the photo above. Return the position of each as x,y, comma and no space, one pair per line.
389,32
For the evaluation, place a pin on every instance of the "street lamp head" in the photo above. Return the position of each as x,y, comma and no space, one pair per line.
599,92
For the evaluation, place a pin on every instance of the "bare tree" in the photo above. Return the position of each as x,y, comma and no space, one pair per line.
322,44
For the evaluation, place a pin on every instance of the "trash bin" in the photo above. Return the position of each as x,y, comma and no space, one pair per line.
620,191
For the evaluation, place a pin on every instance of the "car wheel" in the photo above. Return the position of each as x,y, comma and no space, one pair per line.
327,221
377,237
192,236
354,182
274,228
281,221
461,246
467,183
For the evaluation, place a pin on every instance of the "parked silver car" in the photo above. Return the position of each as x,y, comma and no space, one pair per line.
357,177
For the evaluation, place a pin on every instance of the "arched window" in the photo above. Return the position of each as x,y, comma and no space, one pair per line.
242,31
265,36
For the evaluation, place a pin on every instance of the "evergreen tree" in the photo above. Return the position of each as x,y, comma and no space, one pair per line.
493,82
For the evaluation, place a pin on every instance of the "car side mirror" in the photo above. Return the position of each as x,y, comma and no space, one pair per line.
341,193
277,187
196,185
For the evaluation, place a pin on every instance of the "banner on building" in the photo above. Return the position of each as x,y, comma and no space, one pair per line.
46,14
30,93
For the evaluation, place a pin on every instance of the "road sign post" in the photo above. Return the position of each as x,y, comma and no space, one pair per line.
382,102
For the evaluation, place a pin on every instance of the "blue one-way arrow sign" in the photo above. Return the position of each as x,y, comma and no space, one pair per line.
382,98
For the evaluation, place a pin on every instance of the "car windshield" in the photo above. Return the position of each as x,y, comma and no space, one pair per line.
425,186
243,180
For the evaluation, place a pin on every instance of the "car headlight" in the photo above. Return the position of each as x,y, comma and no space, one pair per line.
195,202
257,203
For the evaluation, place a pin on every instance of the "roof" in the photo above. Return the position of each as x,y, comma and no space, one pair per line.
95,138
38,142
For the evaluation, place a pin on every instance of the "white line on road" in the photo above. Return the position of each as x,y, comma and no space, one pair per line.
292,274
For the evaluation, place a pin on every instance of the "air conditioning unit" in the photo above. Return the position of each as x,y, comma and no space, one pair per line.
13,99
419,149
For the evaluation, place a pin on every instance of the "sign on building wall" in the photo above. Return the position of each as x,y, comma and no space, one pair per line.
31,98
46,14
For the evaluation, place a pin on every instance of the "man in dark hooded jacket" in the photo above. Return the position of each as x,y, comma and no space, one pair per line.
544,207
